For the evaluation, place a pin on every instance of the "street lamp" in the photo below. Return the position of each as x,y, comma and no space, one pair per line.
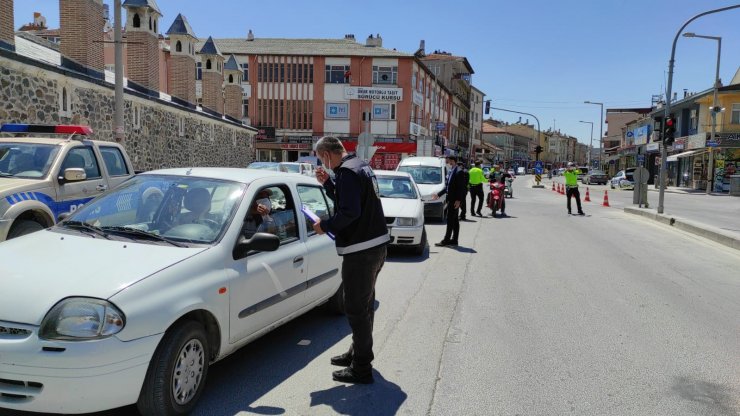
715,106
601,130
668,90
591,145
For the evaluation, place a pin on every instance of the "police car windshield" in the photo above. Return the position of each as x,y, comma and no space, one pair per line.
424,175
26,160
175,208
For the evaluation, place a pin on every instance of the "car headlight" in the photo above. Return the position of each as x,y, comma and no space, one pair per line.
82,319
406,222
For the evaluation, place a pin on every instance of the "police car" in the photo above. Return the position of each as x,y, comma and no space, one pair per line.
181,268
47,171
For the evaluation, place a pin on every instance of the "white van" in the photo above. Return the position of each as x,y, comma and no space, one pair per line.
429,173
521,171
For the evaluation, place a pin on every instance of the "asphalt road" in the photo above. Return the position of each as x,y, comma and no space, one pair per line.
539,313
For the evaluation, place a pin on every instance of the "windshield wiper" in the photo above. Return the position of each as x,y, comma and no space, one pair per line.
6,175
141,233
85,227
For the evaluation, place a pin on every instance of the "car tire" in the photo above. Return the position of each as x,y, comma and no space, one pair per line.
23,227
186,344
419,250
612,185
335,304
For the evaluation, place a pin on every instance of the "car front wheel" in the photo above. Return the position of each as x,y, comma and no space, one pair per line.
177,372
23,227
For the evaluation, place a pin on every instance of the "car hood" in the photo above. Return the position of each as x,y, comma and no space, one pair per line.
429,189
40,269
397,207
12,185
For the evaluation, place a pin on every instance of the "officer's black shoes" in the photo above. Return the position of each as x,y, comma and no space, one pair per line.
581,213
452,243
348,375
343,360
443,243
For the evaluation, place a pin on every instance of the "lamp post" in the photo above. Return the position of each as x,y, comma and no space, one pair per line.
601,130
715,106
591,145
669,87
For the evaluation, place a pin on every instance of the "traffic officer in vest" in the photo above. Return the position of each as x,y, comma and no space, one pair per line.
361,236
571,186
476,188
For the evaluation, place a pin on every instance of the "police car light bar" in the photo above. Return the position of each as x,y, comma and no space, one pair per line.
42,128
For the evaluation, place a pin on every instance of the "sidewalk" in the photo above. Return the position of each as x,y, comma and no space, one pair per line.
715,216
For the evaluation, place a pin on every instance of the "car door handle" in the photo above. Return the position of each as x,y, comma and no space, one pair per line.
297,260
101,188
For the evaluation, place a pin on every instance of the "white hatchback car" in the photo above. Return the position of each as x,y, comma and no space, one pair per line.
133,296
403,208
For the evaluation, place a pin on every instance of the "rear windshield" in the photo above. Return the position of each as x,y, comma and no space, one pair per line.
423,175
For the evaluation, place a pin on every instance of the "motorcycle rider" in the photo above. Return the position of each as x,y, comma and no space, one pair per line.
500,176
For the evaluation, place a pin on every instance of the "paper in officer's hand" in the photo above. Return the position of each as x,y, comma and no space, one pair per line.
313,217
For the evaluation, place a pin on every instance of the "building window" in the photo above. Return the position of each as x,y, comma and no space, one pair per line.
64,107
208,64
178,46
150,23
199,70
245,72
136,21
735,118
231,79
245,107
137,118
693,120
384,112
337,74
385,74
181,127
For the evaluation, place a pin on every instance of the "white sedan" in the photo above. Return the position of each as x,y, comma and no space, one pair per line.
403,208
133,296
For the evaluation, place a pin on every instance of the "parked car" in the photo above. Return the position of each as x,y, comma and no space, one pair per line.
583,170
429,173
623,179
289,167
521,170
53,174
137,295
403,208
595,177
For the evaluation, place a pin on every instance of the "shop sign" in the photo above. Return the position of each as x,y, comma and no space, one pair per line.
265,133
696,141
415,129
295,146
641,135
725,139
384,147
652,147
373,93
337,110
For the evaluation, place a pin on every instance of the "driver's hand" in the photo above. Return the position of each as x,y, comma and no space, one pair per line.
262,210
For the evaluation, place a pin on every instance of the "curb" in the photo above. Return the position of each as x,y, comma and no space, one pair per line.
702,230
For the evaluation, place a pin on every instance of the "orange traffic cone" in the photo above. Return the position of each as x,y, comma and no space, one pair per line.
562,189
606,199
588,197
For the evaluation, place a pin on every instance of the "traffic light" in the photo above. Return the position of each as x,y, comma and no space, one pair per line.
488,107
538,149
669,130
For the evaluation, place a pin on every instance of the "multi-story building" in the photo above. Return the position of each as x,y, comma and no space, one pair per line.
500,138
297,90
456,73
616,119
476,120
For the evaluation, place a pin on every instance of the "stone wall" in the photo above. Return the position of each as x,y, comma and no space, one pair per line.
33,93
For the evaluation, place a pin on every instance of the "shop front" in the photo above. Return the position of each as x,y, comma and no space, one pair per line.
282,152
388,154
726,159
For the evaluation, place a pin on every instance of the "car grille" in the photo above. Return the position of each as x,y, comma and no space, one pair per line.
405,240
390,220
13,333
17,391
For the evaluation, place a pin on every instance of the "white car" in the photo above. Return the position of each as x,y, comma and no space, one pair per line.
430,174
131,297
403,209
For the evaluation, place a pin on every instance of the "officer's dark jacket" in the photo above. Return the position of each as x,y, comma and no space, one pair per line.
358,222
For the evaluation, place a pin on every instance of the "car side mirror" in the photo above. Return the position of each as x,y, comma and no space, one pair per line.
74,175
258,242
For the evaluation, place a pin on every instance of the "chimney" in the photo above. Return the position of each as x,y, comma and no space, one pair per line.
685,92
7,25
213,78
81,31
182,60
349,36
374,41
250,35
142,37
675,96
233,88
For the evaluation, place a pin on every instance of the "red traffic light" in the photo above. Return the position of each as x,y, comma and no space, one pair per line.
669,122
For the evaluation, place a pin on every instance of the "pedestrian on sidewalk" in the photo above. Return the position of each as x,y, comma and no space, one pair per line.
477,178
361,237
464,200
571,186
455,191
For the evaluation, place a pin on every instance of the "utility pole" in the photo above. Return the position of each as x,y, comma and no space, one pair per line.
118,128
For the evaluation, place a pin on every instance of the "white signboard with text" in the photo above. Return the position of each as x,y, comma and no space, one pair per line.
373,93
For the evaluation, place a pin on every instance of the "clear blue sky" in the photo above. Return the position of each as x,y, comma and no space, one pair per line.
538,56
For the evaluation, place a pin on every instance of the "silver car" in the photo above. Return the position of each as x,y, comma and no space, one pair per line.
623,179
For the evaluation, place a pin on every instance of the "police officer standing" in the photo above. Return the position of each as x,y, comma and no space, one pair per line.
361,236
476,188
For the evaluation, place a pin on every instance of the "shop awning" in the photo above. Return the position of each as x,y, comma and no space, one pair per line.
674,158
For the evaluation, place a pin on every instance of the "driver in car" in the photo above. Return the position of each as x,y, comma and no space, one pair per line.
258,219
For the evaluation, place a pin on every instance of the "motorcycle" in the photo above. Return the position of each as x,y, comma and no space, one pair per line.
495,197
508,190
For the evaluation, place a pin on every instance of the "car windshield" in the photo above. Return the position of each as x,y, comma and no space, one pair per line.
424,175
264,166
396,187
168,208
596,172
26,160
290,167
